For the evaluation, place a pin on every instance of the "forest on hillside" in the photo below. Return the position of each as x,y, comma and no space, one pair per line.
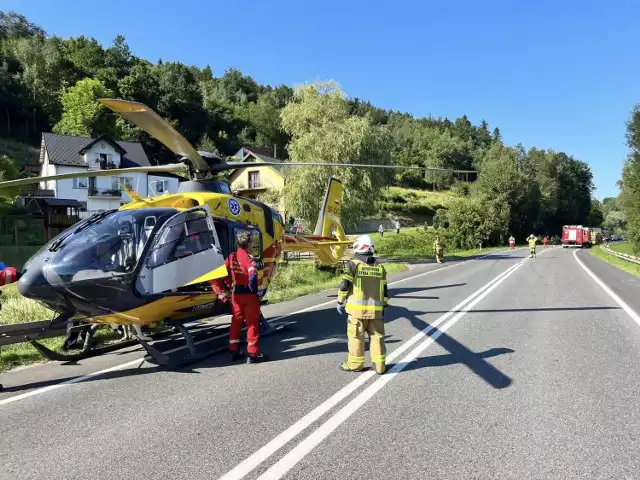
49,83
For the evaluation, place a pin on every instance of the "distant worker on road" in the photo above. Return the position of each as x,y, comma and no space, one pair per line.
381,230
532,239
363,291
437,248
546,241
512,242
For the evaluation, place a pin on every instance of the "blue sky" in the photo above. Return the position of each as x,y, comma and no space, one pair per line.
560,75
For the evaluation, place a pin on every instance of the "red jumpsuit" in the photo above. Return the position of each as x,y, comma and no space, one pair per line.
245,302
8,275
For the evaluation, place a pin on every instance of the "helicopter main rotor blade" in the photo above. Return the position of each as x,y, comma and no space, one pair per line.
231,166
144,117
176,168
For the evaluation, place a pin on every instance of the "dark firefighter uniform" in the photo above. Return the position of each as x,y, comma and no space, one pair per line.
245,302
363,291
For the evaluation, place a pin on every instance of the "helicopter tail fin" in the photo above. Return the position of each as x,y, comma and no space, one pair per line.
133,195
329,241
329,223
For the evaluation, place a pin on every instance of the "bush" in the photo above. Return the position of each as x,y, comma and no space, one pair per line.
440,219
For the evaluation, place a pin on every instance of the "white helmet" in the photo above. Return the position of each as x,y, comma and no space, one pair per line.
363,245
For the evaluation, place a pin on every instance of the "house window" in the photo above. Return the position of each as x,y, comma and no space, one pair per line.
159,186
116,183
79,183
254,179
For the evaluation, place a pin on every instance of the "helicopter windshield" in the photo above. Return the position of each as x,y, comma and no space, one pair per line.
107,246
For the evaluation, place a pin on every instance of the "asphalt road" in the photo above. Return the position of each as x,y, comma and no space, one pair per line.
501,368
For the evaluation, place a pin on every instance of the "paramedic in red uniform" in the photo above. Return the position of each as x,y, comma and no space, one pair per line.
8,275
245,302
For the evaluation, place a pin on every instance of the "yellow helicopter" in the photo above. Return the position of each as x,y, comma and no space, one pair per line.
153,260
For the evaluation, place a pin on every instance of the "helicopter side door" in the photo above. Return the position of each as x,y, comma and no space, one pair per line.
185,250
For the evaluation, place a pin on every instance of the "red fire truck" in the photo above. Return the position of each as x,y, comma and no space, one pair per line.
575,236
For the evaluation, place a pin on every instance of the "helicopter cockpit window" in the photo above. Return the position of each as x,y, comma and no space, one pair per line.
112,245
181,237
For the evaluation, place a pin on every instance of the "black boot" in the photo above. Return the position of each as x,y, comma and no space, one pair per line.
235,356
257,359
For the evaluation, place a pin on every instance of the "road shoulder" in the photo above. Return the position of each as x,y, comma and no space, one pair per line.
621,283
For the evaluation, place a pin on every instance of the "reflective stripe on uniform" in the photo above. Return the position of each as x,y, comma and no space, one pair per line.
234,341
378,358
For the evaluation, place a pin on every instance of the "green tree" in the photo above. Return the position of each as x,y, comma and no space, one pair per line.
321,131
630,182
596,216
82,114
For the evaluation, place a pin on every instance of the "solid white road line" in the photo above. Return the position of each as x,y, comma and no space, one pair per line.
611,293
69,382
286,463
133,362
257,458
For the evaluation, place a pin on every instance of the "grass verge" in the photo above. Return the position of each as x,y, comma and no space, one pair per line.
628,267
626,248
291,281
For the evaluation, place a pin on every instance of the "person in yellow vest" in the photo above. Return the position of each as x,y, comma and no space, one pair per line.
437,247
532,239
363,293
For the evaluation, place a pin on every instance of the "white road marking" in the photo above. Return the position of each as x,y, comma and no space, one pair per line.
250,463
611,293
68,382
286,463
133,362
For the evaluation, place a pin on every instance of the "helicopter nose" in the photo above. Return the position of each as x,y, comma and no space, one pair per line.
33,284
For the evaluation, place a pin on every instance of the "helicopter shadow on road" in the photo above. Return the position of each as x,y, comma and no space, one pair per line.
458,352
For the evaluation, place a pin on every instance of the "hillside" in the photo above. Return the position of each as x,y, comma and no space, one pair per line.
21,153
412,206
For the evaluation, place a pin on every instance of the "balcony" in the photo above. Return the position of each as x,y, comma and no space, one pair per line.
103,165
35,191
257,185
104,192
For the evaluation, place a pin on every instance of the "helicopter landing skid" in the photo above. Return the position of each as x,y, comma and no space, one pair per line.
164,358
89,351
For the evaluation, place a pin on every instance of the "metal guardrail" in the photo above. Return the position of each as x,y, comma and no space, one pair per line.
623,256
18,332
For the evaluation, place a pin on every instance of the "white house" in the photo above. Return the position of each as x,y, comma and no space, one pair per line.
69,154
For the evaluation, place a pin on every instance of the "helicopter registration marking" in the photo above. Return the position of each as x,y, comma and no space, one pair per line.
234,207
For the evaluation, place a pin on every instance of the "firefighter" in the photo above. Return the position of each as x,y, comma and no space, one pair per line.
512,242
532,239
245,301
437,247
363,292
